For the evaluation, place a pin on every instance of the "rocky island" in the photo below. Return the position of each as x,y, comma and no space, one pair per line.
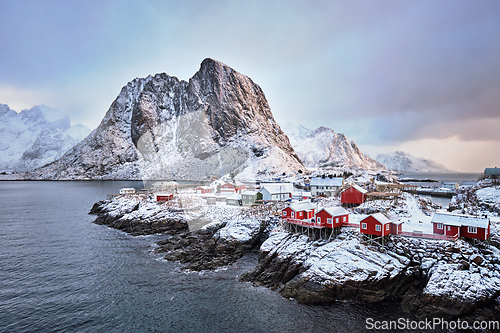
429,278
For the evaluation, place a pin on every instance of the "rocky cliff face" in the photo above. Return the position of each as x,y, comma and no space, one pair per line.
325,148
35,137
160,127
404,162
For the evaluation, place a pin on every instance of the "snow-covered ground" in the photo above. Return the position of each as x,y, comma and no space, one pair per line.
417,220
489,194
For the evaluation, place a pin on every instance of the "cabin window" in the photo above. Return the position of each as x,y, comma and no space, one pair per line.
440,226
336,220
472,230
301,214
387,227
318,219
378,228
448,228
284,213
293,214
329,221
363,225
345,218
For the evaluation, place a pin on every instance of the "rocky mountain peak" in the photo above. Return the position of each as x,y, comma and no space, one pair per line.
161,123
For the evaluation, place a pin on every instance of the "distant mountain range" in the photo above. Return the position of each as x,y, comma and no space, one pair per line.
404,162
323,147
35,137
160,127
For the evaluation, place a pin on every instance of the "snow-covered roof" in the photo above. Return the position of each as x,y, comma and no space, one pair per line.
234,197
163,194
277,188
303,205
205,187
460,220
386,217
250,192
358,188
127,189
336,211
335,181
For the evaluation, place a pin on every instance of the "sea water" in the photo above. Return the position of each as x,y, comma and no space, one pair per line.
59,272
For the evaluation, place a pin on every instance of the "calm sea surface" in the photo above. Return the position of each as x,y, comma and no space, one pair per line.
59,272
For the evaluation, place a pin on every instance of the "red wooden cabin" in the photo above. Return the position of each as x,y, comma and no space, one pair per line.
462,225
380,224
354,195
332,217
163,196
299,211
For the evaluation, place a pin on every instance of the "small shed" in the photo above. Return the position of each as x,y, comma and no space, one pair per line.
299,211
353,195
380,224
127,190
234,200
211,201
473,227
250,197
332,217
162,197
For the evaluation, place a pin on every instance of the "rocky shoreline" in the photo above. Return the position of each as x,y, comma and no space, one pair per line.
430,278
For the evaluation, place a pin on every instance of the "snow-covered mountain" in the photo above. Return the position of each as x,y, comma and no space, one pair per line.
160,127
325,148
35,137
404,162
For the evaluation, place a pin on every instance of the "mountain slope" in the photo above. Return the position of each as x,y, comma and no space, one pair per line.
35,137
404,162
160,127
325,148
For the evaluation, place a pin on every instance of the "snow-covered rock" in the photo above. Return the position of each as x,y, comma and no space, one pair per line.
160,127
404,162
447,280
35,137
239,230
325,148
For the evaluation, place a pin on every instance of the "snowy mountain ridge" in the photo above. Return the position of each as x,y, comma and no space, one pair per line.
404,162
160,127
35,137
323,147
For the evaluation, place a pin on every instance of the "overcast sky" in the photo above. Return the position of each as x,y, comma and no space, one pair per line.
419,76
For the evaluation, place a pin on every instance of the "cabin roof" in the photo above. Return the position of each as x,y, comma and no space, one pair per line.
275,188
336,211
386,217
302,205
460,220
358,188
